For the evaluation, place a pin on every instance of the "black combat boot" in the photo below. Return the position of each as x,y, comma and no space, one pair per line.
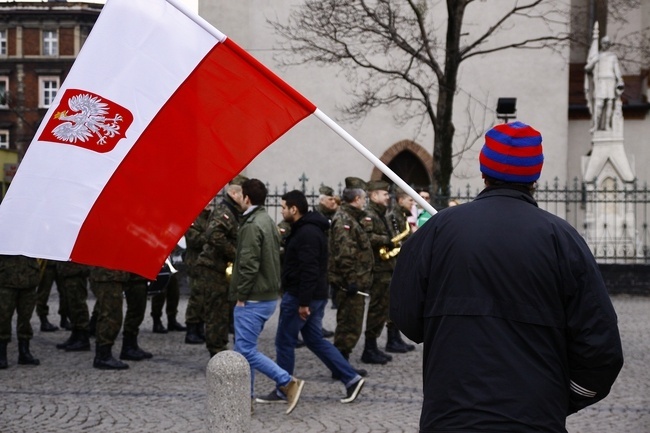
3,355
371,354
158,327
67,342
92,324
192,336
65,323
394,342
80,341
131,351
46,326
104,359
173,325
24,355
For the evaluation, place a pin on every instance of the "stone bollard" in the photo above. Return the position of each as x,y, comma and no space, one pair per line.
229,393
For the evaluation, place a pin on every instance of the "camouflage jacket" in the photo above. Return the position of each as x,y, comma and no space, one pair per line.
72,269
195,238
19,272
351,257
104,275
380,233
220,236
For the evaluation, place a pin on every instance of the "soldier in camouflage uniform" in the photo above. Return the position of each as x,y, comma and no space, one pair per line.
350,265
110,286
398,220
171,295
327,206
19,277
194,314
210,269
48,277
73,278
380,234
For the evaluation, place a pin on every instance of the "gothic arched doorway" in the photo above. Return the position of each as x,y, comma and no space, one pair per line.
409,161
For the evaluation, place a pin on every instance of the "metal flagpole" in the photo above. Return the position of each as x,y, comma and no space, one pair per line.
376,161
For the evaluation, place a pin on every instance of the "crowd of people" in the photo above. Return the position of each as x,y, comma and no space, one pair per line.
517,325
239,263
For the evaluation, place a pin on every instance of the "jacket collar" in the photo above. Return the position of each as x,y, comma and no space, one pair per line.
512,191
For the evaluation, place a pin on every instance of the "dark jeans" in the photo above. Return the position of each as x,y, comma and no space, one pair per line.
290,324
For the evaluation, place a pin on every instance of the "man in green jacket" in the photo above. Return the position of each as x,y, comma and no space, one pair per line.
255,286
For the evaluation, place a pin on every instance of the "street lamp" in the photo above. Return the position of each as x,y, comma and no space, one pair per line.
506,109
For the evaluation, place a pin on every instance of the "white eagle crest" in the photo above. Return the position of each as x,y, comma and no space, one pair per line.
88,120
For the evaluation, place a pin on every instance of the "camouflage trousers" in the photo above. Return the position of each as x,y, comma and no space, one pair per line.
23,302
44,290
194,312
214,286
349,321
76,290
109,306
378,306
171,294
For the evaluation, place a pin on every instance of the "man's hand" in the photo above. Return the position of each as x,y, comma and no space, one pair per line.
352,289
304,312
240,304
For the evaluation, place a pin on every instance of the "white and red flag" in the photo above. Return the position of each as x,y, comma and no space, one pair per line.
159,111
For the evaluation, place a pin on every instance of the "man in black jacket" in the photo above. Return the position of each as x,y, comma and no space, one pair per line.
518,329
304,280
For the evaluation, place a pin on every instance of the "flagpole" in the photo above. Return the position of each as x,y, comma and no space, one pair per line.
376,161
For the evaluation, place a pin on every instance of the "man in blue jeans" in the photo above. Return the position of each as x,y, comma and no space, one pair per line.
255,287
304,279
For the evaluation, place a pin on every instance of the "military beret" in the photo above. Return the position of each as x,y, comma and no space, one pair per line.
378,185
354,183
238,180
326,190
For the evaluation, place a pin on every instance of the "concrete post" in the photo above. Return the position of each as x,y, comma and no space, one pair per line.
229,396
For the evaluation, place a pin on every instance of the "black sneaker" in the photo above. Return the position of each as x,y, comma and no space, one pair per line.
353,391
272,397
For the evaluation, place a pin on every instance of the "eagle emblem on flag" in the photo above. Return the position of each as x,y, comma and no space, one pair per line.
87,120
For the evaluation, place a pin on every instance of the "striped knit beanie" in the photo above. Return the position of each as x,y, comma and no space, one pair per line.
512,153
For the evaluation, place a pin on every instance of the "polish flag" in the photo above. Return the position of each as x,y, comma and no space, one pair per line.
158,113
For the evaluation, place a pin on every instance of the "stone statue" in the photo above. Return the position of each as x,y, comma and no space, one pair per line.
603,84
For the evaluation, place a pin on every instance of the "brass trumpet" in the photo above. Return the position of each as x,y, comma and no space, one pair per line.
385,254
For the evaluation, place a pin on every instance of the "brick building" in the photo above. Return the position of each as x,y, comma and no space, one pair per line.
39,42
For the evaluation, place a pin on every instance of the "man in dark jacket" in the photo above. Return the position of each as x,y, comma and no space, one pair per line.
304,279
518,328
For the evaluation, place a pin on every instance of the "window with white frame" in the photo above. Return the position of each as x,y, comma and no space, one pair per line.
4,88
50,43
4,139
3,42
48,86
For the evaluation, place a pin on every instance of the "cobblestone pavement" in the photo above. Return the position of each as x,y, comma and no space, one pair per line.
167,393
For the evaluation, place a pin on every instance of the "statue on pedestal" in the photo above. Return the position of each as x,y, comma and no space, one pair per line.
603,84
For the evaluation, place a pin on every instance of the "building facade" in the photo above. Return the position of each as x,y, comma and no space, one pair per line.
39,42
547,84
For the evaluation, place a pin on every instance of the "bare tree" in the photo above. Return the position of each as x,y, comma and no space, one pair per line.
393,52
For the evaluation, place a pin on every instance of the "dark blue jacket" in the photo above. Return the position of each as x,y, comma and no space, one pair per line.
517,325
304,272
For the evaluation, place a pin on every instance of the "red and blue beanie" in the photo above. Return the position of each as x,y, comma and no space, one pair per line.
512,153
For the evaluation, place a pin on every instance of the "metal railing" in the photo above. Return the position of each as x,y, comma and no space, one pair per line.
613,217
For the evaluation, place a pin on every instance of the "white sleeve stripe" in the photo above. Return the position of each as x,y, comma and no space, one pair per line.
581,391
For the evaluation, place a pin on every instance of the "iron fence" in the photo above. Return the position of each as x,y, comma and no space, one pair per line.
612,217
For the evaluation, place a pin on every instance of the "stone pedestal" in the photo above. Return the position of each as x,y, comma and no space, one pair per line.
229,393
610,223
